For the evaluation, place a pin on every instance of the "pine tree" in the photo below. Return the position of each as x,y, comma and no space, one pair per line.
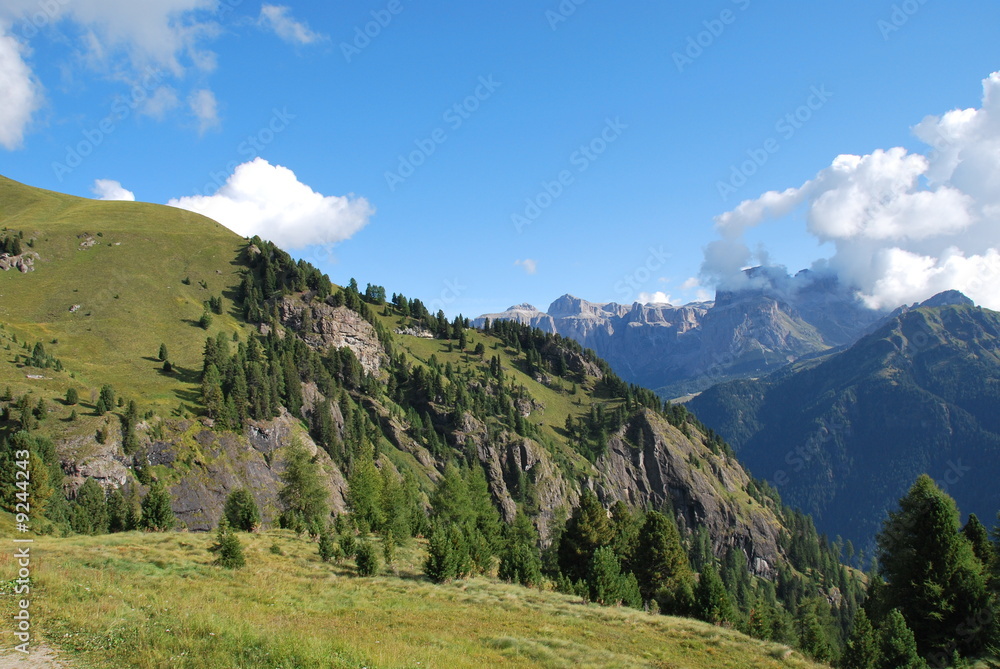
933,576
303,493
587,530
241,511
72,396
604,577
662,564
162,355
157,516
327,547
447,554
117,512
863,650
89,513
520,561
366,558
228,547
712,602
979,538
897,644
364,494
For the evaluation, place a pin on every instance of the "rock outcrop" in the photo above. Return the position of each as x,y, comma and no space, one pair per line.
323,326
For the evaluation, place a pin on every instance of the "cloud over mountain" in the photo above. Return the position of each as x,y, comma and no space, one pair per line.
903,226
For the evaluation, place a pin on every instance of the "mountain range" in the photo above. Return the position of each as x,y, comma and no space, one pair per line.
843,435
770,320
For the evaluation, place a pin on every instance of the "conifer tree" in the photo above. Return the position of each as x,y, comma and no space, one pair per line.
228,548
979,538
932,574
712,602
447,553
662,564
897,644
157,516
118,512
72,396
520,561
364,495
587,530
241,511
303,493
366,558
863,650
162,355
89,513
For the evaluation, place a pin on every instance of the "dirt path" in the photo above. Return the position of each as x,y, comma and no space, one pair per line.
40,657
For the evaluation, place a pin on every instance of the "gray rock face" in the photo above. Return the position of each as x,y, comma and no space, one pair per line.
648,463
771,320
327,326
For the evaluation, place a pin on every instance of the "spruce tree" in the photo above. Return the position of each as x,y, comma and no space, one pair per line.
862,650
662,564
89,513
327,547
303,493
897,644
162,355
932,574
228,548
520,561
157,516
366,558
712,602
241,510
72,396
587,530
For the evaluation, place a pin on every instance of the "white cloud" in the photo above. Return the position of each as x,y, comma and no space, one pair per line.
205,108
659,297
163,100
122,40
108,189
530,266
269,200
279,19
903,226
21,92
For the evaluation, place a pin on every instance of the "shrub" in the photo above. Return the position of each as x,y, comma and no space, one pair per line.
367,559
241,510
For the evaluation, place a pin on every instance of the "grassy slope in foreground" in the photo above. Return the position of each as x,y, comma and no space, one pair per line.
128,285
155,600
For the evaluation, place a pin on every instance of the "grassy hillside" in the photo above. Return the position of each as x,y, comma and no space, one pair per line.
148,601
124,264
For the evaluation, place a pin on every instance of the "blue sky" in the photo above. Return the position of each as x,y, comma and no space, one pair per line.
585,155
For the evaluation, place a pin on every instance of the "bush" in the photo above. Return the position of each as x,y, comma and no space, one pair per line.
72,396
228,547
327,547
241,510
367,559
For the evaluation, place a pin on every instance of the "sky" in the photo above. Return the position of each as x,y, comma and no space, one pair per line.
480,155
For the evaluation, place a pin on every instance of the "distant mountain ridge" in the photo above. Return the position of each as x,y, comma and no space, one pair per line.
842,436
770,321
